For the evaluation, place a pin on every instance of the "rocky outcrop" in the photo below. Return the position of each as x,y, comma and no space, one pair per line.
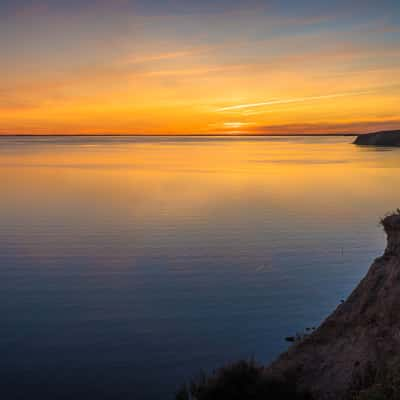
360,339
384,138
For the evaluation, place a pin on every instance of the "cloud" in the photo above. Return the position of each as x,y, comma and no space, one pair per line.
158,57
288,101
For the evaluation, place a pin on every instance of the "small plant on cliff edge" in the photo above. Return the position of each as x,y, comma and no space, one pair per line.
390,214
243,380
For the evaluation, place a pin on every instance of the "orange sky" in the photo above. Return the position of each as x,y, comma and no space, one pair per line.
130,68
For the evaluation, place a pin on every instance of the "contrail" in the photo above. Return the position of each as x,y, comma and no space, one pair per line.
288,101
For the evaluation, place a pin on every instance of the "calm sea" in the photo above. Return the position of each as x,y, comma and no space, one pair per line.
127,265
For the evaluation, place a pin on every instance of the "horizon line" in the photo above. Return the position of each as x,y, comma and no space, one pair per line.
172,134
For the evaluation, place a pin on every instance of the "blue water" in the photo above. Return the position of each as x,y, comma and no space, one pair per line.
129,264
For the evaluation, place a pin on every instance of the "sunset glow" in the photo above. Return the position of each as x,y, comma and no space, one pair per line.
133,67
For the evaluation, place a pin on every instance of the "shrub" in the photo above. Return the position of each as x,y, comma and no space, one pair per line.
244,380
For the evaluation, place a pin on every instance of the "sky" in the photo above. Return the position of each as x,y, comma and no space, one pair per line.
199,67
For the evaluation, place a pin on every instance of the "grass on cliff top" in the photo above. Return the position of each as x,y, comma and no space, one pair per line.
388,215
239,381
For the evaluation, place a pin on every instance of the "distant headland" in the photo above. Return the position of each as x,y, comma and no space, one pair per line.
383,138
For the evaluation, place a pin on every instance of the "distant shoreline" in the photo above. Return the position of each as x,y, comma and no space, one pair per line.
184,135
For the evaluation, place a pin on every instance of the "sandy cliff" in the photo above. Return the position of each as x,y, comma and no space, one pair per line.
360,339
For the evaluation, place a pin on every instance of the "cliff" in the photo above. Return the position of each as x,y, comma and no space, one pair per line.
358,345
384,138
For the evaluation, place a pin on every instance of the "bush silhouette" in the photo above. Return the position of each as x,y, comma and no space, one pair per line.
244,380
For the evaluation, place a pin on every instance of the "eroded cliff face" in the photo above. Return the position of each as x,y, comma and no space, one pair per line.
391,225
360,339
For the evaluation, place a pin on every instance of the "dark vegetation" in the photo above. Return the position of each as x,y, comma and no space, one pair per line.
389,218
244,380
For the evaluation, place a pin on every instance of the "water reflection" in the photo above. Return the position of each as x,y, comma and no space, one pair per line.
128,261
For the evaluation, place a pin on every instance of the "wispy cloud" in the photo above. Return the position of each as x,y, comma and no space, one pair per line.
236,125
192,71
159,57
291,100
